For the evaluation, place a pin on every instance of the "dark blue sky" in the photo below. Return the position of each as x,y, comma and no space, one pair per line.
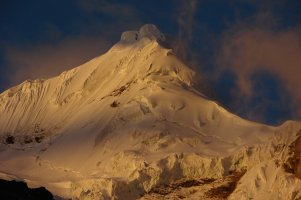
247,51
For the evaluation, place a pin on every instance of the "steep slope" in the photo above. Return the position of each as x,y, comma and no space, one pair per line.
129,121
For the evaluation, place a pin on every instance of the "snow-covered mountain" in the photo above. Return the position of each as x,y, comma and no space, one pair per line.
134,124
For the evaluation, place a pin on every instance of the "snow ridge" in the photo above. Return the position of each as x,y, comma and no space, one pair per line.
131,121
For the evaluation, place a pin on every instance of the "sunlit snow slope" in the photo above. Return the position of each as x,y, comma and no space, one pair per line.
133,119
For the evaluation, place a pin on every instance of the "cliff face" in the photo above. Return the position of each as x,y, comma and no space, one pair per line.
298,157
125,123
293,161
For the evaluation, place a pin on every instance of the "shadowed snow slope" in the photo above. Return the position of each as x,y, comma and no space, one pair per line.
133,119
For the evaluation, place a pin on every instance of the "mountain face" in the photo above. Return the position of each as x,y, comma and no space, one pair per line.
134,124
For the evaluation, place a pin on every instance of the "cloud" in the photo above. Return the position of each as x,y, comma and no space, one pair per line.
186,19
186,23
250,50
46,60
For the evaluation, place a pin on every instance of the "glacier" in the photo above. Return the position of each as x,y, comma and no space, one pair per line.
134,122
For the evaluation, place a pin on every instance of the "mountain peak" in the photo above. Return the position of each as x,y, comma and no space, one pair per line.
148,31
134,119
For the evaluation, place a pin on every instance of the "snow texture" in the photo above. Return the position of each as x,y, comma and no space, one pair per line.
133,120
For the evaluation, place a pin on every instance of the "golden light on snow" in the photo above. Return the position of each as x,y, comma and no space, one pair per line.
132,120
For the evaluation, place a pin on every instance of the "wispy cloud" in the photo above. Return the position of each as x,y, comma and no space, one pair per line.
254,49
186,22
